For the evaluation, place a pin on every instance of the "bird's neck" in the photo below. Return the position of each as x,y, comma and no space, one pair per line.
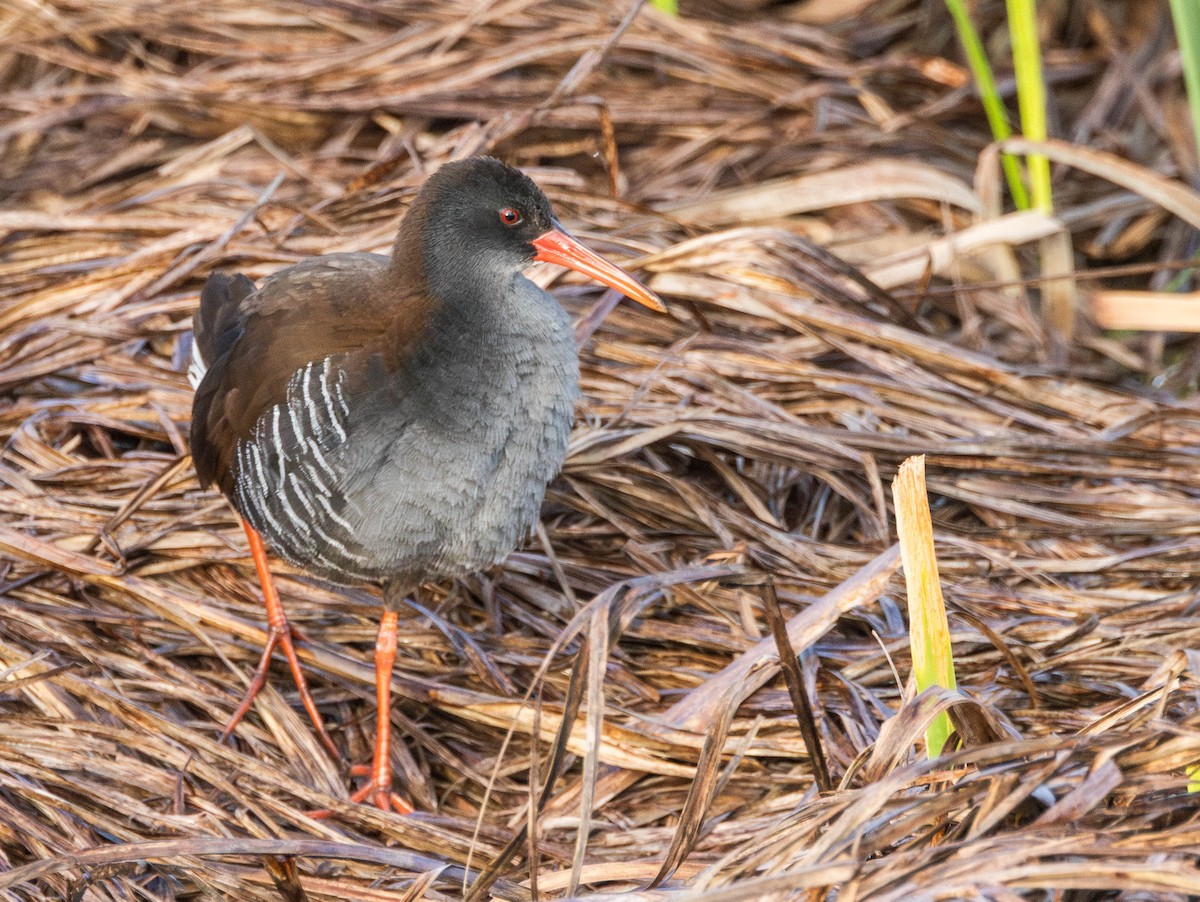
478,362
477,325
446,270
479,322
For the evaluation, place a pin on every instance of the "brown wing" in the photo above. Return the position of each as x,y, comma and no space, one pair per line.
340,304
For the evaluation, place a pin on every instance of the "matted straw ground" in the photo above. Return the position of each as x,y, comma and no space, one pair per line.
755,429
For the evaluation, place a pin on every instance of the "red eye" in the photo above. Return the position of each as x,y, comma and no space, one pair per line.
510,217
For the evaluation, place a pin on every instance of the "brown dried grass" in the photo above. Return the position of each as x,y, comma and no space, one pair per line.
757,428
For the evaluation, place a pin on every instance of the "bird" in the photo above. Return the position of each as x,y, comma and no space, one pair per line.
394,420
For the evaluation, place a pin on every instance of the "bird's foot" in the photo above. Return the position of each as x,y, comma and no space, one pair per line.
377,790
281,634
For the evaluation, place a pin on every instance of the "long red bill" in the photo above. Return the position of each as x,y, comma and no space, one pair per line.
556,246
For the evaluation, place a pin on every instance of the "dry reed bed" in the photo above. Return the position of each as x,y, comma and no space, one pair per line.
757,428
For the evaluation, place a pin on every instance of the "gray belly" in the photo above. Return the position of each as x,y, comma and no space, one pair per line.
445,500
434,475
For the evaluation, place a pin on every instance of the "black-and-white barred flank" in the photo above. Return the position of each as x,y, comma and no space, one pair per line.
286,472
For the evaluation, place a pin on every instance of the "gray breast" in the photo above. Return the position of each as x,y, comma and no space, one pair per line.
435,471
450,463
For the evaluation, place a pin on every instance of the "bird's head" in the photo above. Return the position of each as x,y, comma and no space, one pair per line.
482,216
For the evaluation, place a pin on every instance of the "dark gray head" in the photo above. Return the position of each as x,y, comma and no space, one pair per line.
483,213
478,223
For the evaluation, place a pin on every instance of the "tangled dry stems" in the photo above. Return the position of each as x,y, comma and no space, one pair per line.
756,429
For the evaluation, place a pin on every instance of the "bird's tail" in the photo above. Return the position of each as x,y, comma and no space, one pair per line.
216,322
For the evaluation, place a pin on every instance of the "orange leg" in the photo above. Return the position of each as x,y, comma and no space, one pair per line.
279,634
378,786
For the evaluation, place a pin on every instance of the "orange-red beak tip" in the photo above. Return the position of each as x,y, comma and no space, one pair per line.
556,246
651,300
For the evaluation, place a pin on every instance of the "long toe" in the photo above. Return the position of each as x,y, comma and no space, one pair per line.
381,795
383,798
378,790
